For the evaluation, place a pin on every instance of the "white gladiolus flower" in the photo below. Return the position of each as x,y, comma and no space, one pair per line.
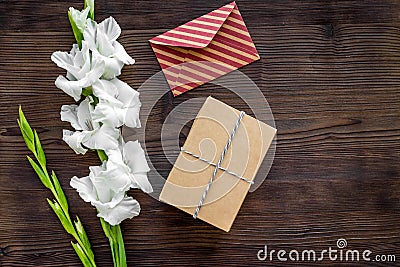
94,67
118,103
82,69
105,190
89,134
131,162
79,17
102,41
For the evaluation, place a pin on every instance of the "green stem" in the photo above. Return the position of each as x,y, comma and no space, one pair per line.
102,155
115,238
121,246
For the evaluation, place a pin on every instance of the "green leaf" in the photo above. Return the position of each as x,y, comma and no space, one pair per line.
60,205
42,176
60,193
90,4
77,33
82,233
85,253
81,254
26,131
84,240
29,143
39,151
61,216
25,123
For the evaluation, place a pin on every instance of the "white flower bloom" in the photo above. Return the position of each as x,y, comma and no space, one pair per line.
130,161
79,17
82,69
106,191
102,41
89,133
119,104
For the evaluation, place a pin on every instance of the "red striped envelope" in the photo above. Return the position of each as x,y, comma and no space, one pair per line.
204,49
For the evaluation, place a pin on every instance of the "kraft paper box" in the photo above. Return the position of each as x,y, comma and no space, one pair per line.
187,182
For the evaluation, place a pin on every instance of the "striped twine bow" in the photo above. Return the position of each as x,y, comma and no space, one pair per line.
218,165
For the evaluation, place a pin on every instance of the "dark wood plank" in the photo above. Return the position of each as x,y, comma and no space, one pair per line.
142,14
330,71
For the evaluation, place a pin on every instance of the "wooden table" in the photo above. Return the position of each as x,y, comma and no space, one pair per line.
331,73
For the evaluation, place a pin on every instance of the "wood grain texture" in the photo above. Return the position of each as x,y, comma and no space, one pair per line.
331,73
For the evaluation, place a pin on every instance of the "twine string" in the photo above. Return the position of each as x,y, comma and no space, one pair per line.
218,165
213,164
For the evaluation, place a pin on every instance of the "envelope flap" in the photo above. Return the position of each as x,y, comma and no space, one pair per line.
197,33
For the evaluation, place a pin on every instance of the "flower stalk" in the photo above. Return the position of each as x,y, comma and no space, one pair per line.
92,66
115,238
59,205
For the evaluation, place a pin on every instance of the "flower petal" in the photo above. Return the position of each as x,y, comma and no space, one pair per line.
110,28
125,93
104,45
105,90
115,155
98,68
120,53
104,138
84,115
112,68
135,159
96,170
85,188
110,189
127,208
74,140
109,114
131,101
140,181
69,113
71,88
132,117
62,59
111,184
89,34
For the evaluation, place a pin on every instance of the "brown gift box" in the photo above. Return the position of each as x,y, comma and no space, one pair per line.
189,176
